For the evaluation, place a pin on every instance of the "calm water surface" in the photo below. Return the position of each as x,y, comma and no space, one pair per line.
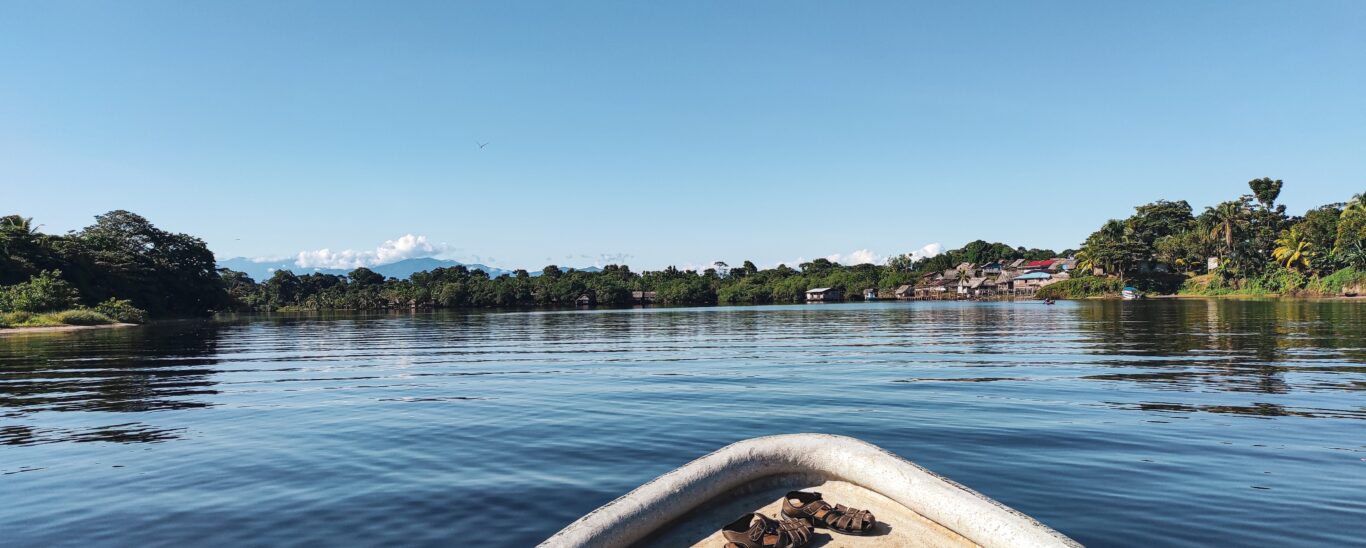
1118,423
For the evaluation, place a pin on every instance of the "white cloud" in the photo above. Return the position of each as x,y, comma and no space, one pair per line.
862,256
868,256
701,267
407,246
927,251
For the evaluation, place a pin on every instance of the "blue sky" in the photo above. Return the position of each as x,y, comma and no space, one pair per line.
667,134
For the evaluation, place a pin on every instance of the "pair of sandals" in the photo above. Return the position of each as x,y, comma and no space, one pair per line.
802,512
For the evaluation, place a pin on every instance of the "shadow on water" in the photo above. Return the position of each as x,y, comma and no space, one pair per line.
134,371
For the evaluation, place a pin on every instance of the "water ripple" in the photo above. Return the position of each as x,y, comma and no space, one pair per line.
1106,420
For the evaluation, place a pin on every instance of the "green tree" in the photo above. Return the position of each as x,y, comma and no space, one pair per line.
1266,190
1116,248
1186,251
243,293
282,289
364,277
1293,250
1085,262
1351,226
901,263
1319,227
124,256
818,267
1160,219
1229,219
24,251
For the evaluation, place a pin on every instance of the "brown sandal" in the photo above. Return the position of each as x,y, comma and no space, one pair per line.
760,531
818,513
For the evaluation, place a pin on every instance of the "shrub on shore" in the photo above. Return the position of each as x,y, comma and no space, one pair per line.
1081,288
22,319
1279,281
122,310
1212,285
79,316
1098,286
1342,282
43,292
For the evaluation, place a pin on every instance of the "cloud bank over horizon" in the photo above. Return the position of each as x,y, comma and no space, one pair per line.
415,246
408,246
868,256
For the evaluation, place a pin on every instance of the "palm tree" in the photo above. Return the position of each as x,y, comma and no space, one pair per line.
19,224
1353,254
1110,248
1357,203
1351,224
16,229
1293,250
1084,262
1228,217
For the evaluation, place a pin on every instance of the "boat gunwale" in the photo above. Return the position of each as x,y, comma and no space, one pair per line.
664,500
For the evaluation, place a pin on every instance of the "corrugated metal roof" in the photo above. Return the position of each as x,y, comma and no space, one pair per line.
1034,276
819,290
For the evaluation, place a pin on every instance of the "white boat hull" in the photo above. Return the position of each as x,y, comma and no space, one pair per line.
914,506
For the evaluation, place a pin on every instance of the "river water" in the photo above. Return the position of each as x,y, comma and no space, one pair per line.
1159,423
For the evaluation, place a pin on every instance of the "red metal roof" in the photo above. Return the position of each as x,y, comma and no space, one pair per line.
1040,264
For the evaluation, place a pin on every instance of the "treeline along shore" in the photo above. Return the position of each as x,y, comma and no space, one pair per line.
122,268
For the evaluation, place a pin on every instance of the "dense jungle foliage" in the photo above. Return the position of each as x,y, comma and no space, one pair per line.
122,268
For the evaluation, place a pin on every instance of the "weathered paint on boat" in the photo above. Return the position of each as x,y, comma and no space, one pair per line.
914,507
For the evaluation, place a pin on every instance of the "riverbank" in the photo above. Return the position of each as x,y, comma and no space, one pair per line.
1343,283
60,328
1223,296
79,318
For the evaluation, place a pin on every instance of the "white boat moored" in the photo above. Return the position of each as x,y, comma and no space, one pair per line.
914,507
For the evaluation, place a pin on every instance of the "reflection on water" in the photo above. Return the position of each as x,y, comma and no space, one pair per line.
1111,421
146,369
1258,347
123,433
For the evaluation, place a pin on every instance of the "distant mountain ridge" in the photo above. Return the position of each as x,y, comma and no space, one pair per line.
262,270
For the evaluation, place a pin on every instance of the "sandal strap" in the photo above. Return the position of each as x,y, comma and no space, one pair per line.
853,518
756,532
791,533
813,508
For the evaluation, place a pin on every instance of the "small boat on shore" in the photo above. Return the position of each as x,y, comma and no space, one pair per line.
1131,294
913,506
